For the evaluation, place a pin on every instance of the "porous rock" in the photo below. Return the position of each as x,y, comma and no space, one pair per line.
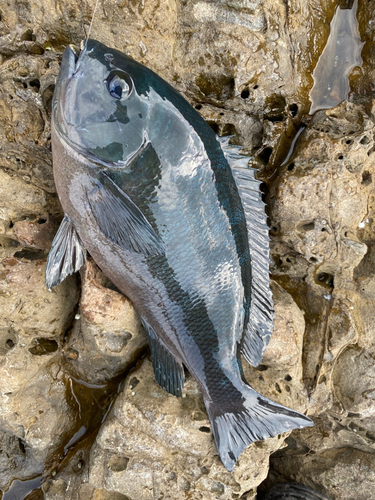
246,66
324,248
107,330
155,444
152,443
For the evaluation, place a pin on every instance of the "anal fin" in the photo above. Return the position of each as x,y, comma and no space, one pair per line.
169,373
67,254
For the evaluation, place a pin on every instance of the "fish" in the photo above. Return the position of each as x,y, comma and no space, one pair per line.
174,217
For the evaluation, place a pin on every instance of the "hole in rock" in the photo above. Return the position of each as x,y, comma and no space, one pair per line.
22,446
265,155
293,108
278,388
288,378
229,129
290,166
35,83
133,383
43,347
205,429
47,97
198,106
325,279
261,368
255,87
366,178
30,254
309,226
245,94
11,224
9,343
24,85
313,259
42,221
349,141
214,126
364,140
28,36
340,157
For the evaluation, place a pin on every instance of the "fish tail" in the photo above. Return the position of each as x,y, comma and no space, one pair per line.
249,418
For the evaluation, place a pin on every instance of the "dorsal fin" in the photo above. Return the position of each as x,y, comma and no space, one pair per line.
260,325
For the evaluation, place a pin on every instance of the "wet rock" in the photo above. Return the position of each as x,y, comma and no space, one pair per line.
329,247
246,67
32,416
153,443
339,473
33,407
107,337
28,309
279,376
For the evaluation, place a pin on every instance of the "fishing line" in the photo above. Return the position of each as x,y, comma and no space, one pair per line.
84,7
92,19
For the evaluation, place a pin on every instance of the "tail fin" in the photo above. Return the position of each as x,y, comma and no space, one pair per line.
253,419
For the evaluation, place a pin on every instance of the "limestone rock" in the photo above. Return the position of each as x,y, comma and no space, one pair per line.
279,376
246,67
153,443
326,249
341,474
32,417
107,336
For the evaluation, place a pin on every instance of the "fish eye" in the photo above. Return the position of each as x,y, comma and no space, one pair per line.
119,84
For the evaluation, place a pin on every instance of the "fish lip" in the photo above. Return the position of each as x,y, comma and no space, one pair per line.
72,54
69,66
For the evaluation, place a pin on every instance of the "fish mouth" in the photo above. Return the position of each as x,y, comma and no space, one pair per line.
71,54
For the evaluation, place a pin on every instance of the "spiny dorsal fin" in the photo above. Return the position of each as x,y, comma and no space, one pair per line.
259,329
67,254
121,220
169,373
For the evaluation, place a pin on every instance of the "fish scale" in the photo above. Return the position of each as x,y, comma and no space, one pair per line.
174,217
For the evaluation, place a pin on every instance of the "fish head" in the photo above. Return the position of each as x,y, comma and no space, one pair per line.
100,103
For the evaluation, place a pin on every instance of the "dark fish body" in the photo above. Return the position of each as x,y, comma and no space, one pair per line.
175,219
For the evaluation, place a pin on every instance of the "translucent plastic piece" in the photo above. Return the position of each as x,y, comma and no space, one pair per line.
340,56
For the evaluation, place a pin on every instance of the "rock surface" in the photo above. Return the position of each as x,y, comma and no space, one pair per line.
247,67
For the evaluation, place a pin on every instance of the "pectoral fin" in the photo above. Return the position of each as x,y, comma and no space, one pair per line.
67,254
169,373
121,220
